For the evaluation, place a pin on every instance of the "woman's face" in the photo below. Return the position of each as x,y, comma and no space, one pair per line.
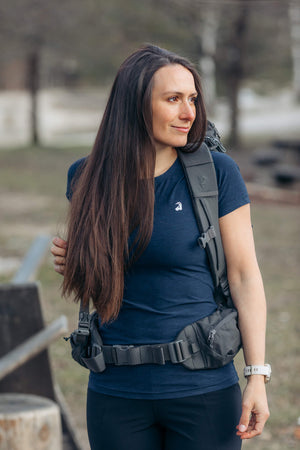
173,106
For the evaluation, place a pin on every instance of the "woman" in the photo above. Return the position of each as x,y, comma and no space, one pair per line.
133,251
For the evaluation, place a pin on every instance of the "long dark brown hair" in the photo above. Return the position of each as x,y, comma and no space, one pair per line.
114,194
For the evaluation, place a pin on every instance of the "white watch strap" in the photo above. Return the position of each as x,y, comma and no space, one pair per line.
258,370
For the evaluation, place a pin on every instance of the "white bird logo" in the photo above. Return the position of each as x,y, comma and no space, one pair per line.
178,206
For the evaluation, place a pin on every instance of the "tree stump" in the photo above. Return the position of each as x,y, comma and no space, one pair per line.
29,422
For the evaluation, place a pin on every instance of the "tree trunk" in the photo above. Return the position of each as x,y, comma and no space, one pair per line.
28,422
209,29
294,13
236,70
33,62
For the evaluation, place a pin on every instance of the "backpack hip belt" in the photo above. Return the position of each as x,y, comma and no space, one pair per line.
208,343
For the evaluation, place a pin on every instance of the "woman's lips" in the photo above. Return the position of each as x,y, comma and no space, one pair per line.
182,129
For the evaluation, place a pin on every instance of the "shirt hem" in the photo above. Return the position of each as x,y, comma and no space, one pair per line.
161,395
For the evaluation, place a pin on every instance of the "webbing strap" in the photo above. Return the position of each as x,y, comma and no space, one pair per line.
202,182
83,330
130,355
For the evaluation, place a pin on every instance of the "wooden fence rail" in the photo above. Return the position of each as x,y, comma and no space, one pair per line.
32,346
32,260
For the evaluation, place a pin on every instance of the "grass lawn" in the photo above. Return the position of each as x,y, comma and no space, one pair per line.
32,202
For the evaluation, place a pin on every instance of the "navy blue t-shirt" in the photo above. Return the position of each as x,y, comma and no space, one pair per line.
169,287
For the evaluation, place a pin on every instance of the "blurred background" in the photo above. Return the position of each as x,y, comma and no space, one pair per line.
57,63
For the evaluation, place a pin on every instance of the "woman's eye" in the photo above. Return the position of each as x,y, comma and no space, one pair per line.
175,98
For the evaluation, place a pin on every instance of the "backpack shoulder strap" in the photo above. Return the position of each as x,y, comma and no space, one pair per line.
201,178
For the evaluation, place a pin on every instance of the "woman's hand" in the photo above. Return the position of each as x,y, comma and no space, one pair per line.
255,410
59,250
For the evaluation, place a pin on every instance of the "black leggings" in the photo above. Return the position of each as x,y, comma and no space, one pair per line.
200,422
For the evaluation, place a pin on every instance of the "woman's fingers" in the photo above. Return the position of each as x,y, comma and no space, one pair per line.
59,268
59,247
59,251
59,261
255,425
59,242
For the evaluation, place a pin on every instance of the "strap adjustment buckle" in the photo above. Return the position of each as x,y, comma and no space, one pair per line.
83,330
214,143
178,351
209,234
84,320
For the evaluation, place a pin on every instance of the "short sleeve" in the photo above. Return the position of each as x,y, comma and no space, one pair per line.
73,174
232,189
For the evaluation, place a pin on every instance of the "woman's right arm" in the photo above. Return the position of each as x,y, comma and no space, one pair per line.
59,250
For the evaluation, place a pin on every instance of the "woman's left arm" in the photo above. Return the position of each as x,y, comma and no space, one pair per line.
247,292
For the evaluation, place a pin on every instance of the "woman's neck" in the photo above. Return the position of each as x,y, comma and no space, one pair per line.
164,160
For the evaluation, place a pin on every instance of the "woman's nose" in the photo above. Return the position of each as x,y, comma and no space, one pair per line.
188,111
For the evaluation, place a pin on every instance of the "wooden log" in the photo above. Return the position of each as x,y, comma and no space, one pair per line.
29,422
20,318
